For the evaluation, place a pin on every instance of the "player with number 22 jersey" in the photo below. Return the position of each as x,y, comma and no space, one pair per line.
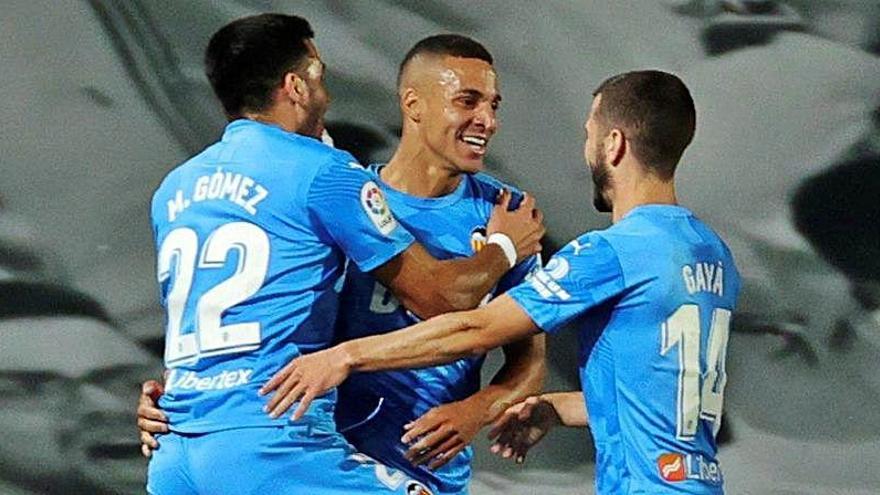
249,234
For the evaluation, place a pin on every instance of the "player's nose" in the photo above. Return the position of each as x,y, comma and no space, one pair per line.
485,118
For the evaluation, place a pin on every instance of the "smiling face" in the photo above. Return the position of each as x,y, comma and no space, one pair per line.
458,100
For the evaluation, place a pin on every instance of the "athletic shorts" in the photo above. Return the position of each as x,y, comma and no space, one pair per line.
294,459
379,437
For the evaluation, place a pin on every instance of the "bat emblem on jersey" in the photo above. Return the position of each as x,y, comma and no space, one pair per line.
416,488
478,238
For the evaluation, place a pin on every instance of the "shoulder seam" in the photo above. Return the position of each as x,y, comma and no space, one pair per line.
616,257
318,170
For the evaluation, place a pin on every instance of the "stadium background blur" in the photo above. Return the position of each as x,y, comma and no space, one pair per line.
102,97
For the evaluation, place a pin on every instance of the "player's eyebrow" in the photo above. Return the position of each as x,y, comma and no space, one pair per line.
475,93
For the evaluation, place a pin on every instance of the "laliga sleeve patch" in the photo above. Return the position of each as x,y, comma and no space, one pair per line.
376,208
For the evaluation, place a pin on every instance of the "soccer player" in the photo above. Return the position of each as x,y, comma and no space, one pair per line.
651,297
252,234
449,97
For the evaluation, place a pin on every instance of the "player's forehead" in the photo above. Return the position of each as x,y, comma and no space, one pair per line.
591,112
312,49
314,65
461,74
594,105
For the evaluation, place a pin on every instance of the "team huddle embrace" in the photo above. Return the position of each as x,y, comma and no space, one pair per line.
327,319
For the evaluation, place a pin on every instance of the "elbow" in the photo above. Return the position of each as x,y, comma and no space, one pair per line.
460,301
437,302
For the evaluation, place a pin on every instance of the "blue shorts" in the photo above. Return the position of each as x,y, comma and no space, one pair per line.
295,459
379,437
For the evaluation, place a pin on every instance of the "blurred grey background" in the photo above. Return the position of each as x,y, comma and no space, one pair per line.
101,98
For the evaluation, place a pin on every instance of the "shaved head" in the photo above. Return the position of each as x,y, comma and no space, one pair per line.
419,70
448,92
429,71
434,48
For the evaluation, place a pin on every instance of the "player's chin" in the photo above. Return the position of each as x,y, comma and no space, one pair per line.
470,158
470,163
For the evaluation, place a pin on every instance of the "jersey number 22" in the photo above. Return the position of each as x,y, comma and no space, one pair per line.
180,254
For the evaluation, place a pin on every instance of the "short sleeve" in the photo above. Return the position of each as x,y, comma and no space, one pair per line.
352,209
582,275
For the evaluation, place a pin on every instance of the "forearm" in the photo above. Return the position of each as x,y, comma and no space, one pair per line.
521,375
466,281
429,287
570,406
441,339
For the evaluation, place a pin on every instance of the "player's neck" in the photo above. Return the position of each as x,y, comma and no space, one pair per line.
643,190
417,171
285,117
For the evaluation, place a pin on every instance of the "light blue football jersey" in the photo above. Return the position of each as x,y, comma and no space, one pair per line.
651,298
252,235
373,407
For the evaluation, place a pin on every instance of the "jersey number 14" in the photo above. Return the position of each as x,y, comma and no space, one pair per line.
700,393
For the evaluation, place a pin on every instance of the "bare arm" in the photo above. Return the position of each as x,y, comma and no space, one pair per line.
570,407
441,339
521,375
429,287
444,431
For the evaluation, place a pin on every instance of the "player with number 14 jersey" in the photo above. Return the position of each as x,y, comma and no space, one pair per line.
651,298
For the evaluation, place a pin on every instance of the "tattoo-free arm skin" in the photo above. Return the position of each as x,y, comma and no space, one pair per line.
441,339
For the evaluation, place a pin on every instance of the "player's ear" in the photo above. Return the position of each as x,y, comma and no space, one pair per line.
411,105
615,146
295,88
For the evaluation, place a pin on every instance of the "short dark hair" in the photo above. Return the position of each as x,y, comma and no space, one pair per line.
453,45
656,112
247,59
